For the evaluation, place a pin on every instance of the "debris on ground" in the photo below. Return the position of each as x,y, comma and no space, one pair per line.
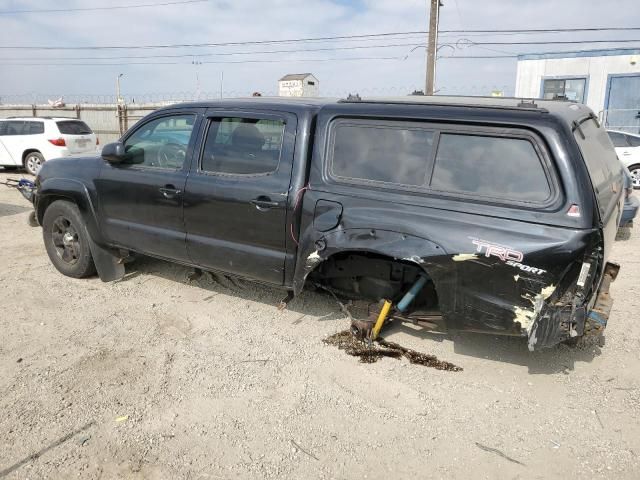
499,453
381,348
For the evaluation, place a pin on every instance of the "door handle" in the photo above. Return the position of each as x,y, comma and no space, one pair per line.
263,203
169,191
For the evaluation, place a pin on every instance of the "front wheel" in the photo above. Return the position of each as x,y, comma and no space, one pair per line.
33,162
634,170
67,240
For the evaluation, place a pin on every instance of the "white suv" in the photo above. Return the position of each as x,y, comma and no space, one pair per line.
628,149
28,142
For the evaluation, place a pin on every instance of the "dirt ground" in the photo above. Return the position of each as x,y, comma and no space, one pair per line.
158,376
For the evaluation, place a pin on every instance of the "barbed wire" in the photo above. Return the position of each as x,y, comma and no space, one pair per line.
186,96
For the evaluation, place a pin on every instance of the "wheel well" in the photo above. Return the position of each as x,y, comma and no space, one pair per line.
373,276
28,151
47,200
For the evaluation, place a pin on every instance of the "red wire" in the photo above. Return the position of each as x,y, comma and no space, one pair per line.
295,209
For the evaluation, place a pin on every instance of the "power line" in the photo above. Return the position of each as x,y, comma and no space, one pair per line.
205,62
88,9
200,55
305,50
558,42
545,30
313,39
219,44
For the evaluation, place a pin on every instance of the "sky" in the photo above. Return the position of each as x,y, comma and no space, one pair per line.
341,69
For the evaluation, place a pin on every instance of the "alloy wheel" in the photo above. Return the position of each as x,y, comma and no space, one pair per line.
65,240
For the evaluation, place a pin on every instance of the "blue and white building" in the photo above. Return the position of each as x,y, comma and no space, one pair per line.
608,81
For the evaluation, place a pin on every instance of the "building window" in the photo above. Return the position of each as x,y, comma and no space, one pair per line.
564,89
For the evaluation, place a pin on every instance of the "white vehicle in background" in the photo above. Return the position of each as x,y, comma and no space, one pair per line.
29,142
627,147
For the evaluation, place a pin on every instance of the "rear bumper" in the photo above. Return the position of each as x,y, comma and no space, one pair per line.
558,323
598,316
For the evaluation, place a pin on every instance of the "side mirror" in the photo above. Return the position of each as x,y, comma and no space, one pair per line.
114,153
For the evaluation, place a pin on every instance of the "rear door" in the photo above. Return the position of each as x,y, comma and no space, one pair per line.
236,195
5,156
78,137
141,201
13,139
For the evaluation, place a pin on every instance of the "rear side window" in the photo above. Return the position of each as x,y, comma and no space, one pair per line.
421,156
395,153
73,127
496,167
33,128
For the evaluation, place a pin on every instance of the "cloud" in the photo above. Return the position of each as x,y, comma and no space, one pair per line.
242,20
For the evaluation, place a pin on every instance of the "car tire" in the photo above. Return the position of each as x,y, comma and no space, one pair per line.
635,174
67,241
33,161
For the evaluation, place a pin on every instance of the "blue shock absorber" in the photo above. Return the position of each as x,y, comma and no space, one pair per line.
411,294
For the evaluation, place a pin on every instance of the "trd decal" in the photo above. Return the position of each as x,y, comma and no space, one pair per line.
502,252
526,268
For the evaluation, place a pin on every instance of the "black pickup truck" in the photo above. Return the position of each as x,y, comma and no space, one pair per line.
508,208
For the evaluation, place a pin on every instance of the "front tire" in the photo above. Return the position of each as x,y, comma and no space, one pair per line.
66,240
33,162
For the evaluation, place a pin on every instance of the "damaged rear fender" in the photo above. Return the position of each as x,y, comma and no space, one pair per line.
429,256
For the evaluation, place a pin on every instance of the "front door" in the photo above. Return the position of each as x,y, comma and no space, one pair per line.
141,201
235,202
623,103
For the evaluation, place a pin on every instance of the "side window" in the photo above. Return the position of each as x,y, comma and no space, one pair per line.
3,128
34,128
396,153
496,167
15,127
618,139
242,146
161,143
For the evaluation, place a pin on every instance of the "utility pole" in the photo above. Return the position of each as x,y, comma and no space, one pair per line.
432,46
118,97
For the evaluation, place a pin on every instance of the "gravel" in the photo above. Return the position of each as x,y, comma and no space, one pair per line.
164,376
